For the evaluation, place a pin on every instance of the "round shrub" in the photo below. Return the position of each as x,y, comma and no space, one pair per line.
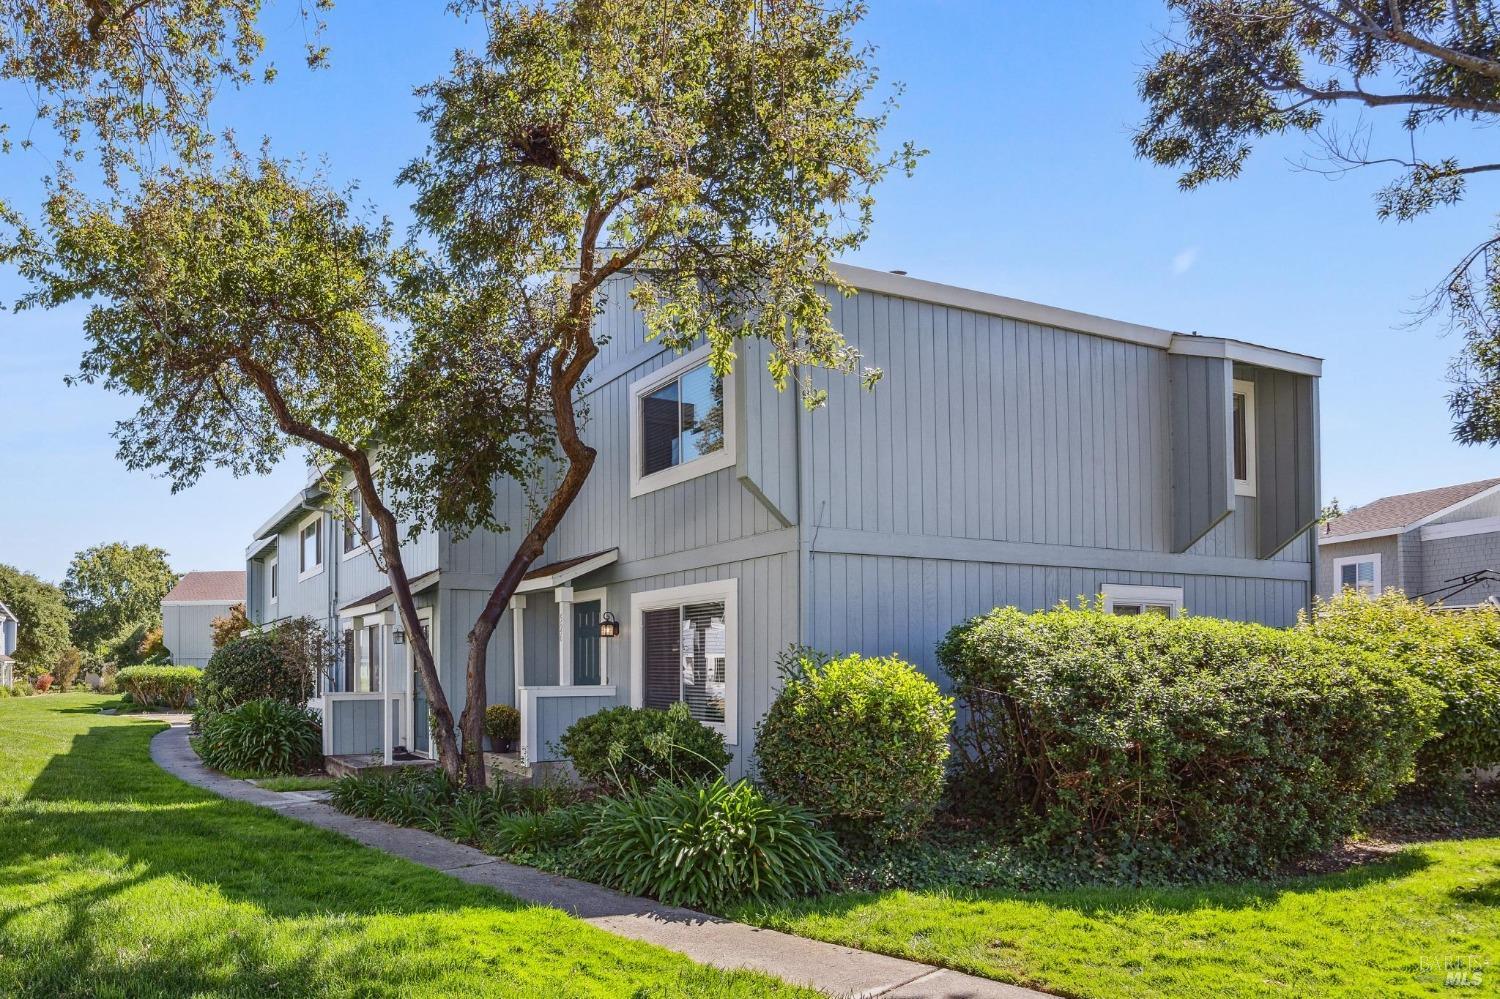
264,736
160,686
861,741
1186,740
707,845
248,669
1455,652
621,748
502,723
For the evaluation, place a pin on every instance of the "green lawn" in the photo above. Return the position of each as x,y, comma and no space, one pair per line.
118,880
1398,928
296,783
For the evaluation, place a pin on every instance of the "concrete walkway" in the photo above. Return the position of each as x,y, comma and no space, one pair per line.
829,968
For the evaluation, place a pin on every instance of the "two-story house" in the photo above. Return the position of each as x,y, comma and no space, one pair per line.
1440,544
189,609
1014,453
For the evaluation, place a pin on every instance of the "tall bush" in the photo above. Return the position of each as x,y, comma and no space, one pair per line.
281,664
1186,739
1455,652
621,748
160,686
861,741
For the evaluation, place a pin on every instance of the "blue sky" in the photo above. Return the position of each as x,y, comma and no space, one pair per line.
1030,190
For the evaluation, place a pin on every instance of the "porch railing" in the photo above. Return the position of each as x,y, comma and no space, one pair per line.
353,722
546,713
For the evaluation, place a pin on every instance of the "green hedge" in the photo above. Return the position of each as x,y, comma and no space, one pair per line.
1186,740
860,741
1455,652
160,686
621,748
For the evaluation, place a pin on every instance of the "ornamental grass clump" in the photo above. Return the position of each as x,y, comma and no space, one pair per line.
264,737
1177,741
860,741
1455,652
708,845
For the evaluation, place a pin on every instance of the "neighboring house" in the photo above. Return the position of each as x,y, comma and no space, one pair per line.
187,613
1013,454
1422,544
9,626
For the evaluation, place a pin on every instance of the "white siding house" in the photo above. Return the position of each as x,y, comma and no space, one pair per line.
187,613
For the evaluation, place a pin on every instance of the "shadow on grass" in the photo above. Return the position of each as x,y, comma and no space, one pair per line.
101,827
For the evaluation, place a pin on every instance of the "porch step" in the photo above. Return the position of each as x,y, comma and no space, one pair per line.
358,764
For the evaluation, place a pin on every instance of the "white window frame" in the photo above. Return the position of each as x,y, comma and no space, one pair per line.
309,573
1338,571
1245,486
720,459
582,597
1169,597
364,540
727,590
273,587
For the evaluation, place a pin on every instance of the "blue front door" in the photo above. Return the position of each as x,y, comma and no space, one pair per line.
586,672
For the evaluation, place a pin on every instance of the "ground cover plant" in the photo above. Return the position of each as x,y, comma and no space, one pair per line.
117,879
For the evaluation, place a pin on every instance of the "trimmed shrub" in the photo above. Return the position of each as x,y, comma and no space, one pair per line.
22,688
707,845
44,683
252,668
622,748
160,686
1455,652
1185,740
264,737
861,741
502,723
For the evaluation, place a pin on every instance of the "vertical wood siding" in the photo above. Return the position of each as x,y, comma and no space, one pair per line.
187,631
1287,470
1203,467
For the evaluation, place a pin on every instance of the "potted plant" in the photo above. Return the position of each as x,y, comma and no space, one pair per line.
502,723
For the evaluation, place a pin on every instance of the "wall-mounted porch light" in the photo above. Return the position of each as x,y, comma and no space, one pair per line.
398,636
609,627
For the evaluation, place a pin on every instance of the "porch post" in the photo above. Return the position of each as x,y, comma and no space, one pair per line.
564,596
385,697
518,646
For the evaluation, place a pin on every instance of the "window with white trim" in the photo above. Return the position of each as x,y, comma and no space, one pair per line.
684,649
1129,599
310,548
1242,437
1360,573
273,587
360,527
681,424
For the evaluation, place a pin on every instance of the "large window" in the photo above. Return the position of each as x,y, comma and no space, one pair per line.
684,650
1128,599
359,528
310,548
682,424
1243,435
1358,572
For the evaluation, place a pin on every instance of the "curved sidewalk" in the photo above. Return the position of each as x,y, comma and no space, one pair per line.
829,968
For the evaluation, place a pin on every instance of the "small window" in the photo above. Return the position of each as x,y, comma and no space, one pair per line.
681,424
1360,573
684,651
273,587
359,527
1243,434
310,549
368,658
1130,600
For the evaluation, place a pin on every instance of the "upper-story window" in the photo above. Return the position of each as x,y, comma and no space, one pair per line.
360,528
1360,573
310,548
1244,438
273,588
681,424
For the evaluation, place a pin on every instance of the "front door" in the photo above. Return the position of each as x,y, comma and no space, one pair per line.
421,729
586,671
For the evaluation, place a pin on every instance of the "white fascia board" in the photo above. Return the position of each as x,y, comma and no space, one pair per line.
903,286
1461,528
557,579
1335,539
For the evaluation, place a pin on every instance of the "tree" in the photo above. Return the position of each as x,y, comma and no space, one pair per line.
228,627
721,156
43,628
1246,69
115,590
